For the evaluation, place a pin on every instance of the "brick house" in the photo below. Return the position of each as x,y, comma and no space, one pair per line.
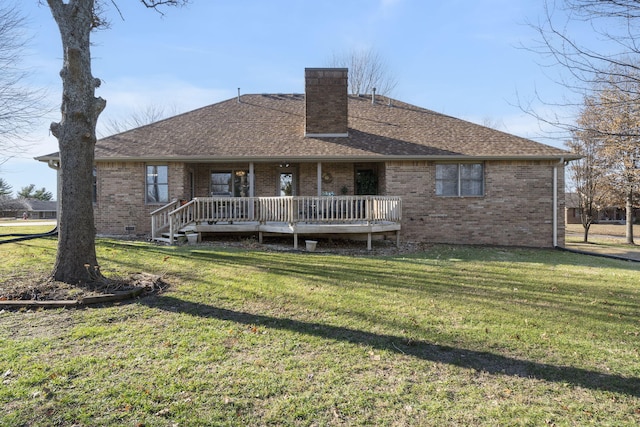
458,182
33,208
605,214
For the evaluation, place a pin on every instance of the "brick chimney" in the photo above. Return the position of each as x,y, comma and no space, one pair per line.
326,102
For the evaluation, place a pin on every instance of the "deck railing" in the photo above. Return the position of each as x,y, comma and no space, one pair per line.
290,210
160,218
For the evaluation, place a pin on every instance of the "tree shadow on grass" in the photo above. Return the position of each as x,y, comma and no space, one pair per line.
471,359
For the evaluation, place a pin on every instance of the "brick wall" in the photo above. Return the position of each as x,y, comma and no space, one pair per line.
341,175
516,209
266,180
121,196
326,101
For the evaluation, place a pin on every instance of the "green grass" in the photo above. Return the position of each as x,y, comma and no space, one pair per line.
7,230
602,234
450,336
25,229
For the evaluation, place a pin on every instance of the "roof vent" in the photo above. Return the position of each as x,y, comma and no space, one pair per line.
373,96
238,95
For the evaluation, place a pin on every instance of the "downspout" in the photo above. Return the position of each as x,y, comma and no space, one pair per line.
319,179
555,201
55,165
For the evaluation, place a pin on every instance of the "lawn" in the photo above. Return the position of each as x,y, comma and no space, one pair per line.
243,336
603,231
23,228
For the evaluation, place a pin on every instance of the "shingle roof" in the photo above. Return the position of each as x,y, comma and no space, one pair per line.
271,127
36,205
32,205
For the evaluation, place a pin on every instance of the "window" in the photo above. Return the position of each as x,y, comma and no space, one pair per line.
464,179
366,181
286,184
157,184
230,183
221,184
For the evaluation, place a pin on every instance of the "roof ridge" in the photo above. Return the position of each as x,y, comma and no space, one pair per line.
271,125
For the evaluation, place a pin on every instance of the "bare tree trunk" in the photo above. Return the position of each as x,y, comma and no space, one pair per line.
629,213
76,260
585,238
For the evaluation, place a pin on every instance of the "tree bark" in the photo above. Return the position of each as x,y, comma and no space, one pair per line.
585,237
76,260
629,222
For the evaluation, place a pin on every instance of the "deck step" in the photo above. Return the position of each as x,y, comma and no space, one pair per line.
178,234
166,237
162,239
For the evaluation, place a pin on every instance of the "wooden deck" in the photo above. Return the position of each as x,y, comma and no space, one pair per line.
298,215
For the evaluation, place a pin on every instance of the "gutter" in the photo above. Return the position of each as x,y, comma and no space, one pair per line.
316,158
54,163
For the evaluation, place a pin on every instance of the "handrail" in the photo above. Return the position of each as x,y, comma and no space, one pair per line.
180,217
173,202
291,210
160,218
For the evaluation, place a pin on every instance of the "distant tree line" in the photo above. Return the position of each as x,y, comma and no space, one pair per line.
604,74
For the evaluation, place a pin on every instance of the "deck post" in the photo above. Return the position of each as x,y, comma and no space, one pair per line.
319,178
369,241
295,240
252,180
252,191
291,218
368,202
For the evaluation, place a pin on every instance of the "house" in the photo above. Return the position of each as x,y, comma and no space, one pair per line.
12,208
325,159
41,209
604,214
34,208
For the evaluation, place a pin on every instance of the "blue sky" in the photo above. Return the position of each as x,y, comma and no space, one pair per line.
459,57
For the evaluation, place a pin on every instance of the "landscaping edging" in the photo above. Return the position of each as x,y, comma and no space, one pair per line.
599,254
92,300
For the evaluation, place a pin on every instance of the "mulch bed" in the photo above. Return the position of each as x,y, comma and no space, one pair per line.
30,292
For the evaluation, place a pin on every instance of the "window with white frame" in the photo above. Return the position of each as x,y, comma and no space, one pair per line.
157,184
460,179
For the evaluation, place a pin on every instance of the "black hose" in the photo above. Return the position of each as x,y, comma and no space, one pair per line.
575,251
21,237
